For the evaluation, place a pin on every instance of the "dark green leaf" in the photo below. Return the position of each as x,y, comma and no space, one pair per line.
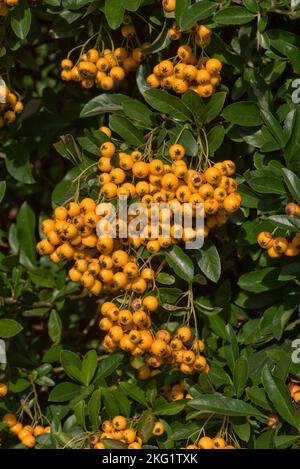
223,405
54,326
123,127
26,235
114,12
64,392
9,328
166,103
233,15
94,406
209,262
20,20
243,113
278,394
240,375
197,12
181,263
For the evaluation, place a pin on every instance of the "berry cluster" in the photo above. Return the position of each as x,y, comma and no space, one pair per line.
172,184
131,331
278,246
104,70
187,73
10,105
294,392
107,67
82,232
200,34
99,264
205,442
27,434
119,430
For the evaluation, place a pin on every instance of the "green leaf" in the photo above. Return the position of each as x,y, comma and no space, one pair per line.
267,184
246,114
265,440
9,328
79,411
26,235
215,138
240,375
42,277
285,441
214,106
134,392
71,363
165,279
195,105
169,408
18,165
260,280
161,41
123,402
107,366
114,11
223,405
136,110
102,104
258,397
293,183
209,262
274,127
64,392
88,366
20,19
287,44
182,431
278,394
111,404
233,15
232,350
2,190
94,406
242,428
167,104
181,263
145,426
123,127
197,12
54,326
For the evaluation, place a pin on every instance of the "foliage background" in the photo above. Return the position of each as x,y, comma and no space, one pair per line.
248,305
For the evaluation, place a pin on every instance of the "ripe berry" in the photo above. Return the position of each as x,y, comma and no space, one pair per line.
150,303
3,390
158,429
205,443
9,420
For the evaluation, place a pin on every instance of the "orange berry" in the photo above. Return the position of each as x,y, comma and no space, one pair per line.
213,66
158,429
3,390
205,443
265,240
9,420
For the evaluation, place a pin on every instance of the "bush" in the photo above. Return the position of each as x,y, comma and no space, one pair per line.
203,351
